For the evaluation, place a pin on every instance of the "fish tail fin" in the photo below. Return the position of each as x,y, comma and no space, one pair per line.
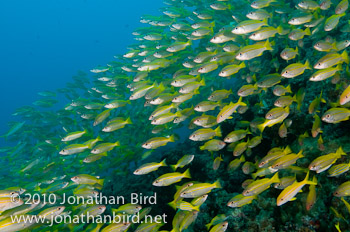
289,90
340,152
99,139
248,131
101,181
300,153
279,29
178,114
254,78
267,45
174,167
37,188
261,127
202,82
104,154
307,64
240,102
307,31
312,182
161,87
197,207
254,175
117,143
345,57
172,138
217,184
89,146
265,21
334,46
163,163
275,178
172,204
297,50
339,67
307,177
187,173
189,42
128,121
208,226
213,24
218,131
287,150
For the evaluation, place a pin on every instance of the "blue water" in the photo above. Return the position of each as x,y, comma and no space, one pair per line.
43,43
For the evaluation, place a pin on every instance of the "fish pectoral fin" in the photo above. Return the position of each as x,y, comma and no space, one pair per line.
294,198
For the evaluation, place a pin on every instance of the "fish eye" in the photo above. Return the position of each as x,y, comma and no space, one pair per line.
59,208
319,64
240,54
157,181
328,116
100,208
236,28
